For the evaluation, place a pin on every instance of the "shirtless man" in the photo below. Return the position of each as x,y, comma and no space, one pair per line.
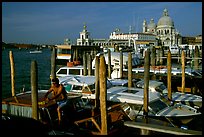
58,94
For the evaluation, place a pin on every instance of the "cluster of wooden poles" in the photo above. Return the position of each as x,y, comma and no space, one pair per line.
100,83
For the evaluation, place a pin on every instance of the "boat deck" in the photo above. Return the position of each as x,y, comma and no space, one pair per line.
24,99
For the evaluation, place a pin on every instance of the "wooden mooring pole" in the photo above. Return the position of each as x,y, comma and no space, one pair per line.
89,63
183,71
121,64
146,82
85,63
169,75
53,63
12,74
129,69
97,103
146,90
153,61
196,56
103,95
109,64
34,89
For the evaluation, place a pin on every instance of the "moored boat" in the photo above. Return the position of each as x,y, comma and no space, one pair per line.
35,51
184,98
178,113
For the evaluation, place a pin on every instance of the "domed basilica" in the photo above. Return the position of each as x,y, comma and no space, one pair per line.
164,30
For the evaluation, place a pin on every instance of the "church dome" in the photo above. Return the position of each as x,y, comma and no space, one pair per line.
165,20
151,25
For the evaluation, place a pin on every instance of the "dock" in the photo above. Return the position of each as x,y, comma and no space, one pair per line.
161,129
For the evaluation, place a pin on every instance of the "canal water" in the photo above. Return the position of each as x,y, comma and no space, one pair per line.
22,63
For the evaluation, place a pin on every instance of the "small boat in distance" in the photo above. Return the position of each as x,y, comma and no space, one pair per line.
35,51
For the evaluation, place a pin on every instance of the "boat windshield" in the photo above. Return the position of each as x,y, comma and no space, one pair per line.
160,88
157,106
89,88
76,87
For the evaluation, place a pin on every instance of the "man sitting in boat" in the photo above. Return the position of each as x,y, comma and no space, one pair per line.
59,95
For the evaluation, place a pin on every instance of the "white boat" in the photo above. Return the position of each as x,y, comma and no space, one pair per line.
75,70
21,105
174,49
184,98
35,51
157,70
178,113
84,85
115,59
72,70
63,52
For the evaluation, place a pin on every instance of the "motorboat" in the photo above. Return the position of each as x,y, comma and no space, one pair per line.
84,85
157,70
184,98
72,83
115,59
21,106
35,51
157,108
69,70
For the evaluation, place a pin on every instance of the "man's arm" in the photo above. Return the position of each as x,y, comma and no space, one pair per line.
58,93
48,92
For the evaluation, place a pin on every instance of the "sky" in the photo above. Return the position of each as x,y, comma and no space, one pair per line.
52,22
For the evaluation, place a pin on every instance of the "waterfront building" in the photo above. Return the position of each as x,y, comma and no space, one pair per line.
135,38
84,38
165,31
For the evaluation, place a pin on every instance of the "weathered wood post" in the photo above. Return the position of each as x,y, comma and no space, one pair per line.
97,103
109,64
85,63
146,82
153,57
183,71
89,63
196,56
153,61
77,54
121,64
157,56
34,89
169,75
103,95
12,74
179,55
161,55
129,69
73,58
53,63
146,90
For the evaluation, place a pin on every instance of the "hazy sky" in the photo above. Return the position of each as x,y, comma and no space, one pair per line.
52,22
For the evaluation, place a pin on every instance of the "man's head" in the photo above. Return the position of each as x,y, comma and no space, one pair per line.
55,81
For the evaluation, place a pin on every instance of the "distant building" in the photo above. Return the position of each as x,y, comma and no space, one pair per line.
163,34
137,38
84,38
165,31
